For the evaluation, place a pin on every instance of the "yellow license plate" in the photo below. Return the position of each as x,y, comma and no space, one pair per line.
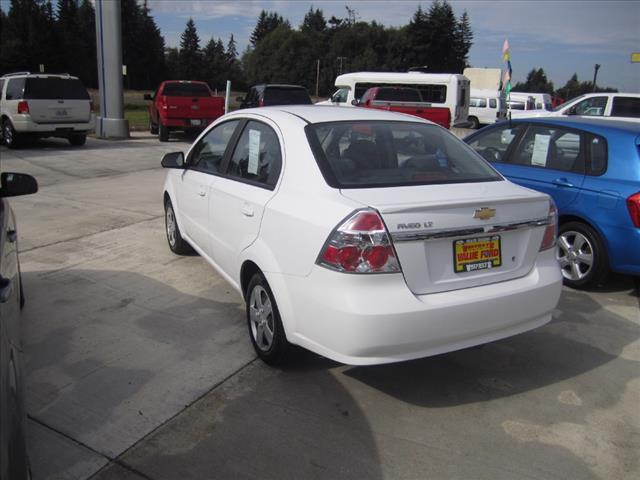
473,254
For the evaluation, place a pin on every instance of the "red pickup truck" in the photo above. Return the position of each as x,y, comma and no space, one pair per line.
405,100
182,105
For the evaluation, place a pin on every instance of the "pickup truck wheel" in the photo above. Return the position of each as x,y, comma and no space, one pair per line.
163,133
9,135
153,127
78,139
474,124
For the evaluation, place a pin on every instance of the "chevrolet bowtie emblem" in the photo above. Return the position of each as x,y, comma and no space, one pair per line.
484,213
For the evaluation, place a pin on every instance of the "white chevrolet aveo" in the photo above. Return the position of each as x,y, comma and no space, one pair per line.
364,236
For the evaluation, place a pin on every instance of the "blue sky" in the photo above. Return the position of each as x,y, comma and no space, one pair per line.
562,37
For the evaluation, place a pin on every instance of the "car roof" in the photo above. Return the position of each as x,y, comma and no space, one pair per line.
37,75
330,113
278,85
596,125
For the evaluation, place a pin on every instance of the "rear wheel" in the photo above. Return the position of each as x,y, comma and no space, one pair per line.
263,319
163,133
78,139
474,123
153,127
176,243
10,137
581,254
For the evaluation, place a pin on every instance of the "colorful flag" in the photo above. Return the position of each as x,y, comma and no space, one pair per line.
505,50
506,78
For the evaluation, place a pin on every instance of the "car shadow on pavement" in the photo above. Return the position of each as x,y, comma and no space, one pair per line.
114,357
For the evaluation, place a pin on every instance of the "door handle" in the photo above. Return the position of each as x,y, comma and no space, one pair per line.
12,236
247,210
203,191
562,182
6,285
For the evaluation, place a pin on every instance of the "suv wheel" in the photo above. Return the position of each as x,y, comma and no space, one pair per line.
9,135
163,133
78,139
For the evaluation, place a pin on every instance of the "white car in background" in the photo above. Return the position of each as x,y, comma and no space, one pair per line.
618,106
362,235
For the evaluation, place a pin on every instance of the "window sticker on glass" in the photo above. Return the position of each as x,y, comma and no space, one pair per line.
254,152
540,150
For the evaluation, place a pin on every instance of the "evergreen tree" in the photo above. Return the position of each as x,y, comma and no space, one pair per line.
267,23
190,55
463,43
536,83
314,21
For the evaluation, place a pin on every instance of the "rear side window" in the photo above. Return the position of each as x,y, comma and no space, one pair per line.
363,154
286,96
257,157
550,147
478,102
626,107
1,86
15,89
597,148
186,90
493,103
429,93
55,88
398,95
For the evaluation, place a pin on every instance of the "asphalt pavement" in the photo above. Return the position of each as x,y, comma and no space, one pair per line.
139,366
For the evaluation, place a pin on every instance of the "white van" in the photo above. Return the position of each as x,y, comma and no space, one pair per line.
438,89
486,107
542,100
521,101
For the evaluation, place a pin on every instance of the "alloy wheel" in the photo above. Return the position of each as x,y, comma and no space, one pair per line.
261,318
171,225
575,254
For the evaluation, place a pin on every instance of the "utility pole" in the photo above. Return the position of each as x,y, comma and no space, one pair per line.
317,76
595,75
341,58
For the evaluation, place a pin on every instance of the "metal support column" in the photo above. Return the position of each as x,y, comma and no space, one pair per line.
111,122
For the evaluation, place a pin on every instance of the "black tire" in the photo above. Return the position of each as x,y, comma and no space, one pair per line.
163,133
22,297
153,127
177,244
474,123
78,139
263,321
10,137
582,255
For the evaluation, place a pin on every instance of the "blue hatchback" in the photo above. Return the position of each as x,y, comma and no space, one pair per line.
591,168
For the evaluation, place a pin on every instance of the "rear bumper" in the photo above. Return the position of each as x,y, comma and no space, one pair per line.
187,123
376,319
24,124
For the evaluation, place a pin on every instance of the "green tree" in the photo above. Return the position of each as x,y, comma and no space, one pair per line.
314,21
267,23
190,54
536,82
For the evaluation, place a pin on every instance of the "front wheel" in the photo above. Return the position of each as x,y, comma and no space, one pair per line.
177,244
265,327
581,254
474,123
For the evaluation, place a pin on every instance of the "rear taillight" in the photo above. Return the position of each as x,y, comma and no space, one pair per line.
551,232
23,107
261,102
360,244
633,204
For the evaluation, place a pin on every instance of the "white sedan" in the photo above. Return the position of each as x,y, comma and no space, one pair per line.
365,236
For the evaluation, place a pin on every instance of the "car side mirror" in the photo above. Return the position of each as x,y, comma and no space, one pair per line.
571,111
173,160
16,184
355,102
147,96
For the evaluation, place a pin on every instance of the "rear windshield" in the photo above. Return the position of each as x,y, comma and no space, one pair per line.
626,107
361,154
186,90
286,96
55,88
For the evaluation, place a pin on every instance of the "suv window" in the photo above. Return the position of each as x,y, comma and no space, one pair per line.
550,147
15,89
208,153
186,90
626,107
362,154
46,88
257,156
286,96
493,103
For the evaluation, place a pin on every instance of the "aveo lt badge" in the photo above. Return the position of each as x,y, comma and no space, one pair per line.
484,213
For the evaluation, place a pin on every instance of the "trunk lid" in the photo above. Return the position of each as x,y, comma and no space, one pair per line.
434,231
194,107
55,99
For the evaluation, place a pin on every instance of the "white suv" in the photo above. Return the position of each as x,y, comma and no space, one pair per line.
44,105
